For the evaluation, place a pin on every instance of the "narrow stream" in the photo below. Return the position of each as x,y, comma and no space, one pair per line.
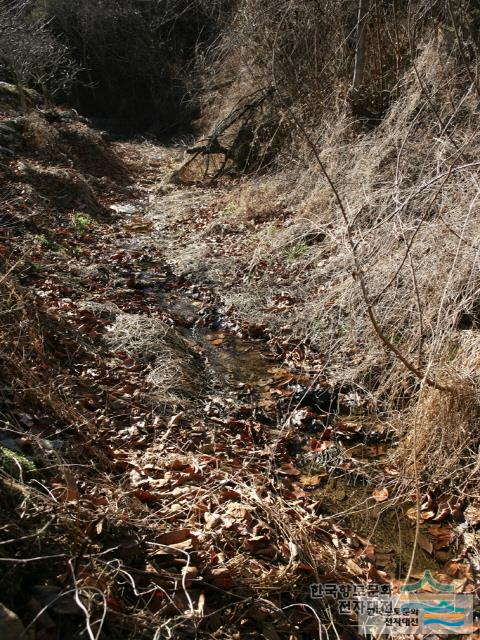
236,366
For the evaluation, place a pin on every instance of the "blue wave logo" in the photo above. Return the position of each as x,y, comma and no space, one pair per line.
444,613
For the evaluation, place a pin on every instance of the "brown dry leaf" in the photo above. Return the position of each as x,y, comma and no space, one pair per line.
293,490
220,577
181,546
424,515
145,496
212,520
448,506
383,559
179,464
452,568
229,494
442,535
427,515
239,511
425,543
255,543
377,576
312,481
303,566
73,493
174,537
369,552
288,469
353,568
381,494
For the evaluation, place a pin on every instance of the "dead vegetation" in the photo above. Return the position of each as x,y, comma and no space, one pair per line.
173,362
141,500
409,187
121,517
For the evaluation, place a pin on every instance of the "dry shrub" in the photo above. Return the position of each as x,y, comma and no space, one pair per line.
410,191
90,153
196,169
258,200
174,366
64,189
415,228
39,136
62,138
441,434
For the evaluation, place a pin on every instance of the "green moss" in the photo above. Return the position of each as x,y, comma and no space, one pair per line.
12,463
83,221
48,243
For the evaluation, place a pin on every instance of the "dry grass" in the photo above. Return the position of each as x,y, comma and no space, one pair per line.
410,187
63,189
441,433
415,225
174,364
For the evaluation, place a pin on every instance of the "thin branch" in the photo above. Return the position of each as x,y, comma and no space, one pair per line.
359,276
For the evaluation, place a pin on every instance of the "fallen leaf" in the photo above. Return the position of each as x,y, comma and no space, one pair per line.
442,535
381,494
255,543
220,577
354,568
174,537
472,514
311,481
423,515
369,552
288,469
425,543
72,491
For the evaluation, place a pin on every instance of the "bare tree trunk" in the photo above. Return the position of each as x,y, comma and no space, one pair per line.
359,70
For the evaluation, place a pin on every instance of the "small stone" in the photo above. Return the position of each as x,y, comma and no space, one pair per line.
124,208
7,131
11,627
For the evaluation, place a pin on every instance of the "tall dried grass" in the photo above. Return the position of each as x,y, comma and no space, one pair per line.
410,188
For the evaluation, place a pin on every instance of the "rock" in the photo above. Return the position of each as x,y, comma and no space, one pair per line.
11,124
11,627
10,95
8,132
124,208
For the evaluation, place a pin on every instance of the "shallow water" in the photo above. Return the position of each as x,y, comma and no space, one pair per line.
234,365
